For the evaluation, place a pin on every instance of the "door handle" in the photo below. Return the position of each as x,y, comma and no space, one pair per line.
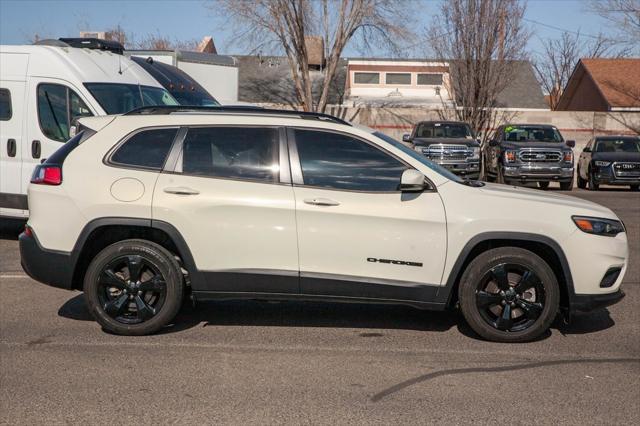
181,190
321,202
11,147
35,149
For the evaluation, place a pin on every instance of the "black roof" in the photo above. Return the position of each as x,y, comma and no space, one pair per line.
172,78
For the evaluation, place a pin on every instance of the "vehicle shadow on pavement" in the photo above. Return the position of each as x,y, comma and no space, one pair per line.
291,314
332,315
11,228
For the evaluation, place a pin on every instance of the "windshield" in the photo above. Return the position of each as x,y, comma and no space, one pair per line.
531,134
443,130
618,145
116,98
421,158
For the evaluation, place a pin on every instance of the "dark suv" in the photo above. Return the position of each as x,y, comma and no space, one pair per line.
610,160
521,153
450,144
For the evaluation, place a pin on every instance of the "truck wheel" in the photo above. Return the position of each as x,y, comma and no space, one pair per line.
134,287
566,186
509,294
543,185
582,183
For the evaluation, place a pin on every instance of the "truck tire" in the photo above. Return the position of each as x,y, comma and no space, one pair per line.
566,186
134,287
509,294
582,183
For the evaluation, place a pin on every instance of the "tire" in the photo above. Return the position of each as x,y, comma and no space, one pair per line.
582,183
543,185
134,307
593,185
500,175
530,307
566,186
634,187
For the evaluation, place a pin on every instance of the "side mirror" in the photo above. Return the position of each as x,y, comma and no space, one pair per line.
406,137
412,181
571,144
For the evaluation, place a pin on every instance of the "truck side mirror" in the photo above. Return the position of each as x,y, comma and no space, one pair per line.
406,137
571,144
412,181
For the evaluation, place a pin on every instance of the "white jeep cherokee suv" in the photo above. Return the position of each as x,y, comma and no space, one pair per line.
143,209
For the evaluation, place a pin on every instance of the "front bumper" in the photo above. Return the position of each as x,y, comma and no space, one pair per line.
469,169
591,302
607,176
46,266
534,173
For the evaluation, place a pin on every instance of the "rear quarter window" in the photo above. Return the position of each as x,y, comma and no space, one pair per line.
146,149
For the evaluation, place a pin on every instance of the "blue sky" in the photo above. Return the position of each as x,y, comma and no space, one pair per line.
192,19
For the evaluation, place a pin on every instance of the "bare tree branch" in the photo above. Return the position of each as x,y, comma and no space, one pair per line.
286,24
481,39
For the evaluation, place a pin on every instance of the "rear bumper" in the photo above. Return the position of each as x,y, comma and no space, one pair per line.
591,302
46,266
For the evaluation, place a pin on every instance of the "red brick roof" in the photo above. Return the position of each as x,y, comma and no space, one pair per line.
617,79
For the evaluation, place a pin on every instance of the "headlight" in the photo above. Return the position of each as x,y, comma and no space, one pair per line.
602,163
510,156
597,226
420,149
568,157
476,153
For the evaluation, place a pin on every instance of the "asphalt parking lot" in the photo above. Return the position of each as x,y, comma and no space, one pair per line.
271,363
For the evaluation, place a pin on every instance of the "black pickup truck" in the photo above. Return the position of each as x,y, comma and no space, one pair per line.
521,153
450,144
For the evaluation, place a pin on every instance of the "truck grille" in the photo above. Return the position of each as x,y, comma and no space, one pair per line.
626,169
448,152
540,156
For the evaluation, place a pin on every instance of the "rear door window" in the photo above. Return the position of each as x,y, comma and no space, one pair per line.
249,153
5,105
146,149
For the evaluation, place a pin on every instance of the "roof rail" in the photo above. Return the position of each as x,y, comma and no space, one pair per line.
240,109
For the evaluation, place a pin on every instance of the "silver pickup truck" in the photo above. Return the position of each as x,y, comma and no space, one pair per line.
450,144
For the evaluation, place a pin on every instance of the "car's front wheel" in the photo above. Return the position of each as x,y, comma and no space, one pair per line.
509,294
134,287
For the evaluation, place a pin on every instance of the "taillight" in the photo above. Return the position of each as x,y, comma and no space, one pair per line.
46,174
27,231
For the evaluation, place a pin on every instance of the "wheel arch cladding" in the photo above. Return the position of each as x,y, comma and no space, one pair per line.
103,232
541,245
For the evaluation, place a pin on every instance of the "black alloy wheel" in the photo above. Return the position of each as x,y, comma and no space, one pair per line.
509,294
510,297
131,289
134,287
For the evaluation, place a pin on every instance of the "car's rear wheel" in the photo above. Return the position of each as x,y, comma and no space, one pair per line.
543,185
134,287
509,294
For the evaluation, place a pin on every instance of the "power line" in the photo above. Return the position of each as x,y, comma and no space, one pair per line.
578,33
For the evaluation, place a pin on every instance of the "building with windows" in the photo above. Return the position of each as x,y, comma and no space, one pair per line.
393,81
